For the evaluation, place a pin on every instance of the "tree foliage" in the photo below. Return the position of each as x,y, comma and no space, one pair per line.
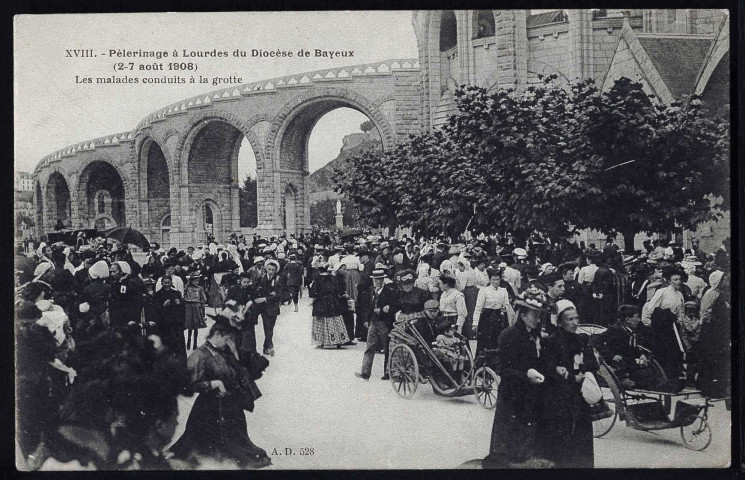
247,195
549,159
367,125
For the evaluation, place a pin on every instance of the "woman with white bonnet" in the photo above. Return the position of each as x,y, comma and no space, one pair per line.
94,303
715,342
694,282
564,433
710,295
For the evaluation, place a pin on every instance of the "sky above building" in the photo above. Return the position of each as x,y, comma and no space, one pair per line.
53,109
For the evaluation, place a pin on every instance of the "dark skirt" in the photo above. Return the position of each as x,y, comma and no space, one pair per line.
491,325
566,440
513,433
217,429
471,294
194,316
215,294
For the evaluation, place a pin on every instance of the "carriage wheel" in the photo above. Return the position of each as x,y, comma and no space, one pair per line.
485,385
403,370
603,426
697,435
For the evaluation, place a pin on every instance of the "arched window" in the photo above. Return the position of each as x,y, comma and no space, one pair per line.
165,230
483,24
208,219
101,203
448,31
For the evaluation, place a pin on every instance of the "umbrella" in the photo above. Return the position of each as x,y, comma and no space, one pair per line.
128,235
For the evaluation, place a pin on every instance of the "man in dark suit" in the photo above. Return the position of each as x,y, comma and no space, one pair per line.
364,295
264,292
383,308
572,289
618,347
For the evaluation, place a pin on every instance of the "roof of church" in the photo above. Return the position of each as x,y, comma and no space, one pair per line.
677,59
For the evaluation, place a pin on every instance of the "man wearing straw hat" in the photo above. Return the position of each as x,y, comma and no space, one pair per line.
383,306
265,294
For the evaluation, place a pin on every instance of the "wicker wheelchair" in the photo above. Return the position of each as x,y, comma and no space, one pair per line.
650,410
412,361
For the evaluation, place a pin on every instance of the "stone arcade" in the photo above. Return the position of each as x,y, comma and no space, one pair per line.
174,176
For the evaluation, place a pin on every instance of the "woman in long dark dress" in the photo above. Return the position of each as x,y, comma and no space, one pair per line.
217,427
564,434
328,325
520,391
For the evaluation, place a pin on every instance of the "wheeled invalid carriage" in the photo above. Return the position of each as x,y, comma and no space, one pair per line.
412,361
649,410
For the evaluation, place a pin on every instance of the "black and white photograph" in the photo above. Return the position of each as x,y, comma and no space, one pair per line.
333,240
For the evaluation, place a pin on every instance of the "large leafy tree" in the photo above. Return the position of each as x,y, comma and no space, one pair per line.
247,195
549,159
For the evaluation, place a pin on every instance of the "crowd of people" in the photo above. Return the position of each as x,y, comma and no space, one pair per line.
102,357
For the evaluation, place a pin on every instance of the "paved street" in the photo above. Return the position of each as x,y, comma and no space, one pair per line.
312,400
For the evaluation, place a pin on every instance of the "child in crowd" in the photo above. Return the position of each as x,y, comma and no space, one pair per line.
195,298
448,349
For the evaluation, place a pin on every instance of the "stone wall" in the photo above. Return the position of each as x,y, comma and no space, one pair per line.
550,52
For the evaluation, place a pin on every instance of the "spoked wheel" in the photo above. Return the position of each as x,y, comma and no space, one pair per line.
485,385
602,426
697,435
403,370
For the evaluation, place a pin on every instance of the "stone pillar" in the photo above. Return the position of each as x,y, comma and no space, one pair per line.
580,31
465,50
182,226
145,225
235,211
512,49
277,210
75,219
305,227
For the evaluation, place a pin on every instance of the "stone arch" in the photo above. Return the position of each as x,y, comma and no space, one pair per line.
84,164
251,123
97,174
156,184
58,198
323,101
197,124
448,30
154,179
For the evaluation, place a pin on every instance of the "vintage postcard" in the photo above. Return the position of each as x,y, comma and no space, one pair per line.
425,239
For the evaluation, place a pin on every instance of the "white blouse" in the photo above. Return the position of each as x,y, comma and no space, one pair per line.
666,298
495,299
452,302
